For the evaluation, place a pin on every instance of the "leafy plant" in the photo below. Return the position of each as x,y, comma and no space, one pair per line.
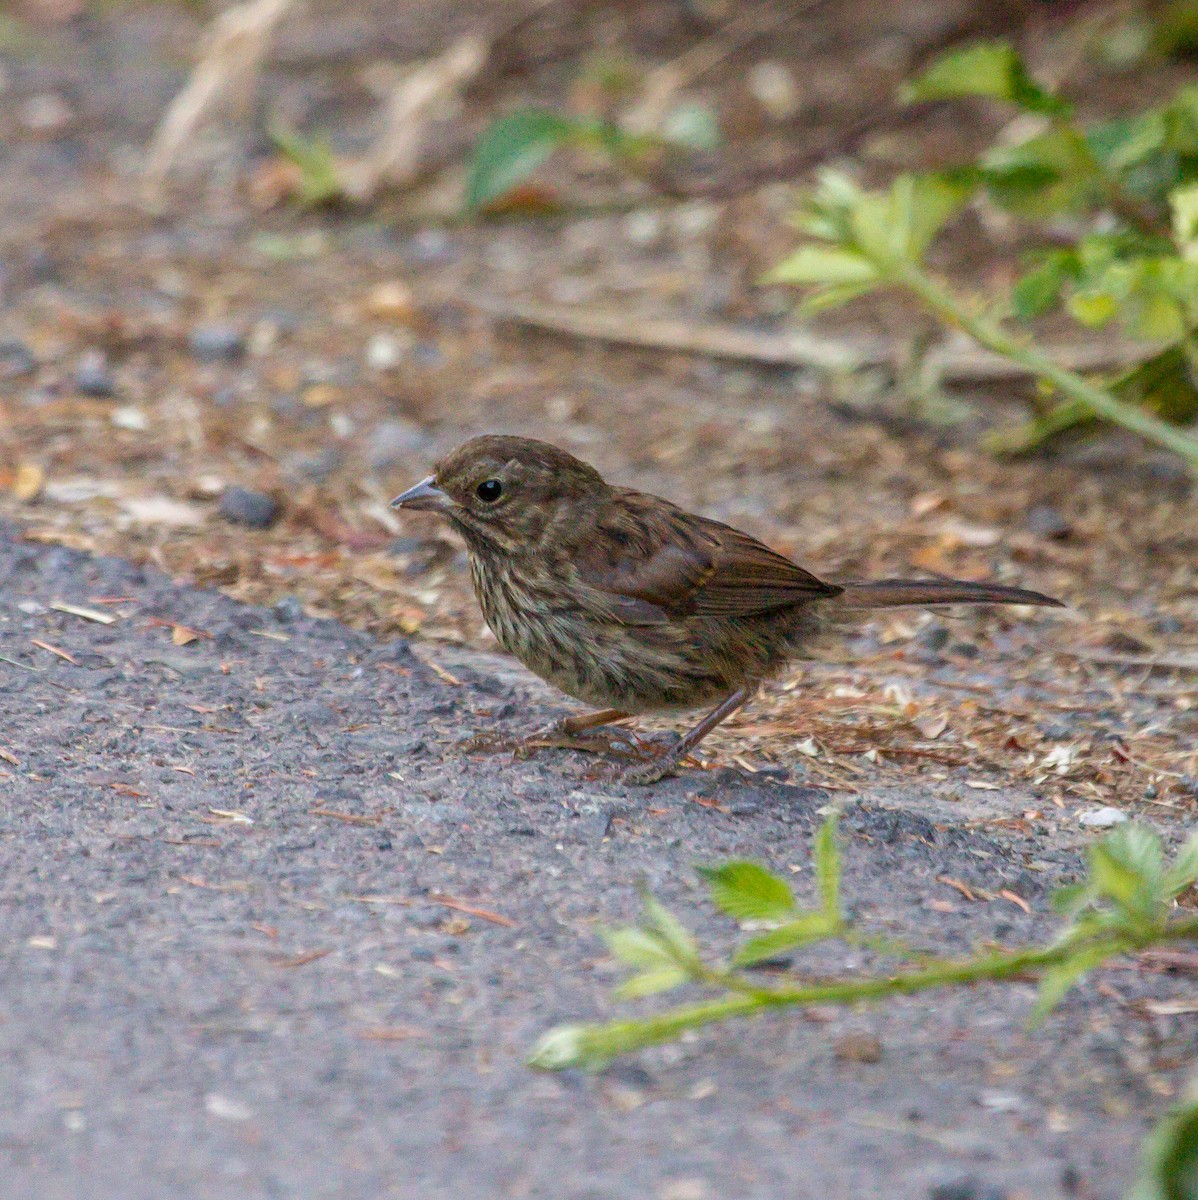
319,180
1128,186
1125,903
1170,1156
515,145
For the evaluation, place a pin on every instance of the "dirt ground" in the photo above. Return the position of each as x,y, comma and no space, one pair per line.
153,357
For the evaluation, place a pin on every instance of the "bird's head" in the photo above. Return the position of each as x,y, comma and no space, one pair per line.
505,492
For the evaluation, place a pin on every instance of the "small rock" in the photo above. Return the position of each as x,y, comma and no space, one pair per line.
92,376
129,417
1048,522
16,359
242,506
288,609
1102,818
643,228
45,113
1056,731
773,86
858,1047
216,343
226,1108
391,301
384,352
965,1187
934,637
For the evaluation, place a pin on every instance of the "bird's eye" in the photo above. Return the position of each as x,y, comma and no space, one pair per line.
489,491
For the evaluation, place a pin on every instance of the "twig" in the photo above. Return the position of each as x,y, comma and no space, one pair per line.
794,348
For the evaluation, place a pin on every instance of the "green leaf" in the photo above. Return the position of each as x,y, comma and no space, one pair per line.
1056,981
1182,872
649,983
319,182
821,265
1093,308
1051,173
1183,203
673,935
511,149
563,1046
811,927
1170,1158
984,69
748,892
637,948
1041,287
827,867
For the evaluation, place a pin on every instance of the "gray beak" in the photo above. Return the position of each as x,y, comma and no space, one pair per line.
424,496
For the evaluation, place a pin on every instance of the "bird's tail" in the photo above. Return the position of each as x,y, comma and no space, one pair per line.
893,593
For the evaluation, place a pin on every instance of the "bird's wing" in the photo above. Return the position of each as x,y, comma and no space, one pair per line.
651,561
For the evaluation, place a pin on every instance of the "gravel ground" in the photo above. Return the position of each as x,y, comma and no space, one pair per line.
196,1000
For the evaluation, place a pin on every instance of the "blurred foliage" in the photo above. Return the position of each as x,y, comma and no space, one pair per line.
1128,187
1125,903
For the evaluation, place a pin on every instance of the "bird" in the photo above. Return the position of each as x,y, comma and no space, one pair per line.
633,605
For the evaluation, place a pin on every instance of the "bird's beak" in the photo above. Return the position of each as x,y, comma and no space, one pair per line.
424,496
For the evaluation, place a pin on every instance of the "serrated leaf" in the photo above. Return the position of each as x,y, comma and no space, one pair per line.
1182,872
1041,287
1043,176
826,852
1056,981
1169,1170
674,936
823,299
637,948
984,69
649,983
810,927
748,892
822,265
511,149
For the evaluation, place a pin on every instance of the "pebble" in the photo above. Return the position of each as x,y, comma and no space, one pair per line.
1046,521
216,343
773,86
858,1047
45,112
391,301
92,375
129,417
288,609
15,359
965,1187
1102,818
383,352
242,506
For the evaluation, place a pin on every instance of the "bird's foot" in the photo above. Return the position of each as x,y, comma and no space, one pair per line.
652,772
614,739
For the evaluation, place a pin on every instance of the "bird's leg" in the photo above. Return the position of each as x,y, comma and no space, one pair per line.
664,765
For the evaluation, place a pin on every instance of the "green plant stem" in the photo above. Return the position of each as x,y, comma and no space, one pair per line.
592,1045
990,334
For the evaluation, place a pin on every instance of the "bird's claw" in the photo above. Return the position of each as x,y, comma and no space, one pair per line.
650,772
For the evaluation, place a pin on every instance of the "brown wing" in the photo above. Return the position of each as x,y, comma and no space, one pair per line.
652,561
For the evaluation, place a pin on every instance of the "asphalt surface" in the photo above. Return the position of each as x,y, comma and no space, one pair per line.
228,968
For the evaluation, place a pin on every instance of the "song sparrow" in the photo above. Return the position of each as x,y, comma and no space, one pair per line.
631,604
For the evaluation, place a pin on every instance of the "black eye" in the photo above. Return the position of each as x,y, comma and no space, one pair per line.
489,491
